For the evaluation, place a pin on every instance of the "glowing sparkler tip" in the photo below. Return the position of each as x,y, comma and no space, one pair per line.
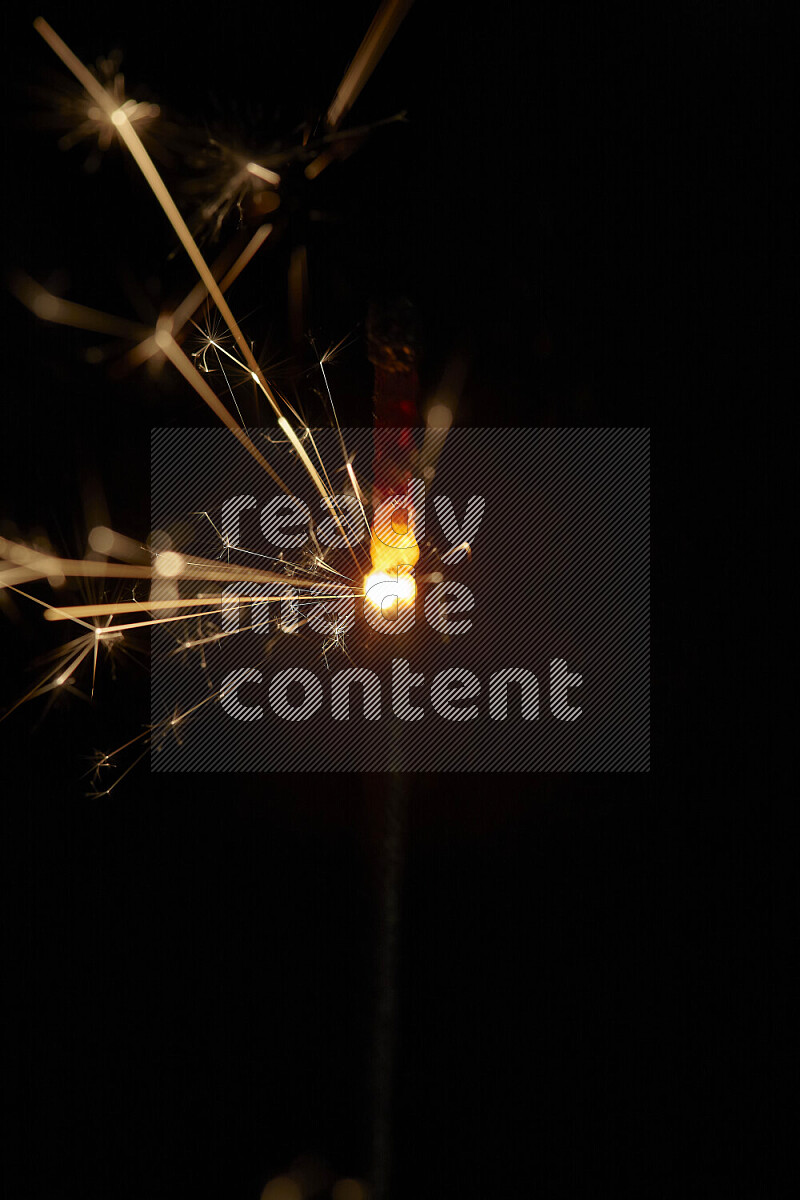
381,588
119,117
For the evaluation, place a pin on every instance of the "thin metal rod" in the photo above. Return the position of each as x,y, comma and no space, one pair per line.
391,859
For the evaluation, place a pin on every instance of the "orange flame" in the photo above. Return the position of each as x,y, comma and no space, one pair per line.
395,552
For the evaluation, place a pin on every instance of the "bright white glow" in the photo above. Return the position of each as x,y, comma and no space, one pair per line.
381,588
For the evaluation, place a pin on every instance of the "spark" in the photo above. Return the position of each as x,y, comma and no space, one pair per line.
88,120
230,389
330,399
335,641
166,342
192,302
380,587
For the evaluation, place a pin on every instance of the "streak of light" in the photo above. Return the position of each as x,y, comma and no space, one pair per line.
199,292
73,666
318,164
147,736
75,611
264,173
359,497
307,433
163,337
230,389
211,612
160,191
198,642
9,579
333,406
48,307
107,541
190,304
67,660
380,33
312,470
131,766
44,604
323,566
166,342
45,564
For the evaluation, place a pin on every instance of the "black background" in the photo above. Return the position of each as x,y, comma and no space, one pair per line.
192,957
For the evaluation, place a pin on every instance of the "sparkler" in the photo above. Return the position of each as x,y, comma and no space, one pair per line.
250,185
108,112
